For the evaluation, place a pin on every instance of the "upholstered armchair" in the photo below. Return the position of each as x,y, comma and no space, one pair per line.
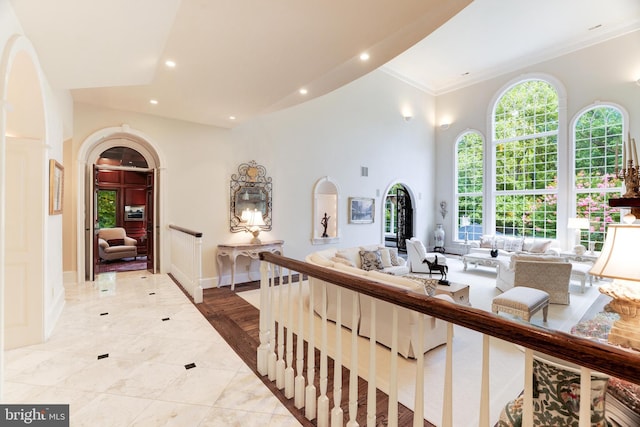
113,243
417,253
547,273
557,394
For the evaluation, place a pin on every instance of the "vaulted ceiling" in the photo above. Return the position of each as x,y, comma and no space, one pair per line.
246,58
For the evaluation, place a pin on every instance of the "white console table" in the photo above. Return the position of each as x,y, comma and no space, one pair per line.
251,250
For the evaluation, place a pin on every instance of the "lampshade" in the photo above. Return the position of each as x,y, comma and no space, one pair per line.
619,257
246,214
255,218
578,223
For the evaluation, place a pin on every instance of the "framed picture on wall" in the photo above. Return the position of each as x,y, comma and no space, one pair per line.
361,210
56,187
134,213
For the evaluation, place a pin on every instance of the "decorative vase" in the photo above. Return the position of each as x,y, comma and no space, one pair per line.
438,237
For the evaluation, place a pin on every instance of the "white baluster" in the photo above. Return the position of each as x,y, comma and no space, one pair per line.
418,412
280,365
272,325
299,382
527,405
263,348
310,397
353,368
288,373
484,386
371,387
323,400
447,405
585,397
336,412
393,380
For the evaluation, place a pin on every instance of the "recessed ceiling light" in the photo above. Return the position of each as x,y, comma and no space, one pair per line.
465,74
595,27
232,117
153,101
364,56
169,63
303,91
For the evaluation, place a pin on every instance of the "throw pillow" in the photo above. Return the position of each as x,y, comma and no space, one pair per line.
513,244
486,242
386,257
116,242
540,247
370,260
393,254
341,260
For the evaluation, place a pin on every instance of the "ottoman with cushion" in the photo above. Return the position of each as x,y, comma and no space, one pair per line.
522,302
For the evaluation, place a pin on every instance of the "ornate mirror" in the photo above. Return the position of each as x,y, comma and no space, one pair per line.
250,190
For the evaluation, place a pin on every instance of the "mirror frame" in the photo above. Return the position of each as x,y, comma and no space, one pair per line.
252,179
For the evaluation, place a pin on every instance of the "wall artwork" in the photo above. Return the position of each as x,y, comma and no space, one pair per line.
361,210
56,189
134,213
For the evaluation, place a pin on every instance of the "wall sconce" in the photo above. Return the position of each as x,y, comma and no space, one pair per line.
253,220
407,117
444,126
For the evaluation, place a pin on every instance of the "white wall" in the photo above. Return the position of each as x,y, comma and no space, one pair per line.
604,72
358,125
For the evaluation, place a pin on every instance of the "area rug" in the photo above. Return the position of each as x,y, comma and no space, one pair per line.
127,264
506,360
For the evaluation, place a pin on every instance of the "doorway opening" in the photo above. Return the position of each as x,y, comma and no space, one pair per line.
123,206
398,217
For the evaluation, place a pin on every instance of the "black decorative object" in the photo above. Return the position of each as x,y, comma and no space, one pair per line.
494,253
434,266
325,222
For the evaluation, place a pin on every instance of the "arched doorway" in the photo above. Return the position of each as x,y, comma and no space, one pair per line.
124,200
133,158
24,171
398,217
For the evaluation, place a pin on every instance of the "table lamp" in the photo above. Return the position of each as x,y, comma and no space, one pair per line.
578,224
254,220
619,261
465,222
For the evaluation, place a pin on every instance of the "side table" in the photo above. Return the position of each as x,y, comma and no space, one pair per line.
458,291
250,250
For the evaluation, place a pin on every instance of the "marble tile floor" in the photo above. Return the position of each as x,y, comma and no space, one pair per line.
119,356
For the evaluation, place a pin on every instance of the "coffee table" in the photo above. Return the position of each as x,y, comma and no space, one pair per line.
458,291
484,259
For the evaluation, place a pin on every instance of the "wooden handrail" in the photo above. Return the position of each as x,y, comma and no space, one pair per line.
599,357
186,230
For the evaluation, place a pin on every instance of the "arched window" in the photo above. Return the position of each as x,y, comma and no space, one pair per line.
598,135
525,142
469,185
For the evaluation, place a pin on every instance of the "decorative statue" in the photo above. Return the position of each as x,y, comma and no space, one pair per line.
325,222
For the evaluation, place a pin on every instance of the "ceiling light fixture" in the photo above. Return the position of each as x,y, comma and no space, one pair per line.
169,63
303,91
153,101
364,56
232,117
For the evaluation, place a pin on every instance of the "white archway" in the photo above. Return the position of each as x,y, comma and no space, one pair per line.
88,154
23,216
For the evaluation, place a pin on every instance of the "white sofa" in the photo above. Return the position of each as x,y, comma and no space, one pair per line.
508,245
435,330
